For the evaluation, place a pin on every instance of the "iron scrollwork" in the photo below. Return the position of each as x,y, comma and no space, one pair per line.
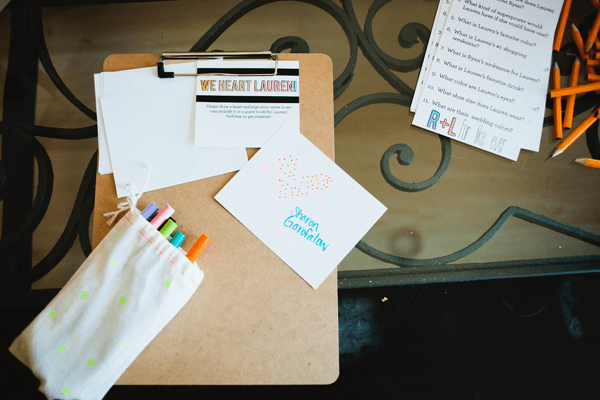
410,35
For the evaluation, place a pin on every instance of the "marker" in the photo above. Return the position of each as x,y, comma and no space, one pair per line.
162,216
163,224
198,247
149,210
168,228
177,239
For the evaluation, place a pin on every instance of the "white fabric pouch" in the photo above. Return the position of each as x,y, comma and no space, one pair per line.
121,297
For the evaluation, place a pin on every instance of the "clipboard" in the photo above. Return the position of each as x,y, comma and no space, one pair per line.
166,58
253,320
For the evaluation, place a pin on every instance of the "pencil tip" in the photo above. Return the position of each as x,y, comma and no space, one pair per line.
574,27
556,152
580,160
555,65
588,47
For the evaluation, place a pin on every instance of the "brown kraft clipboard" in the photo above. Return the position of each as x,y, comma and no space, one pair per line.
253,320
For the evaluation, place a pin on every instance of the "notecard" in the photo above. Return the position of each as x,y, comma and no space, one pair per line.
487,79
117,82
301,205
154,127
235,106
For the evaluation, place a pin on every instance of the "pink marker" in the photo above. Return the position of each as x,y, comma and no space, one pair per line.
162,216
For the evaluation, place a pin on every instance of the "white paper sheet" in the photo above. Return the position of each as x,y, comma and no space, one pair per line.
300,204
111,83
488,80
234,111
155,126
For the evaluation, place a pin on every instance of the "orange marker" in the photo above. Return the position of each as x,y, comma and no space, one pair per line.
562,22
571,99
571,137
557,104
198,247
589,162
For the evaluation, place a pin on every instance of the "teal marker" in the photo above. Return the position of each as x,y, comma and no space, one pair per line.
168,228
177,239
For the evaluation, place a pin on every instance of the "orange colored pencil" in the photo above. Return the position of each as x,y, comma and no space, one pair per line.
567,91
557,105
571,137
588,162
592,63
562,23
578,41
570,107
593,33
593,78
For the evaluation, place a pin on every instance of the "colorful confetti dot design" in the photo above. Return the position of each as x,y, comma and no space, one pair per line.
293,184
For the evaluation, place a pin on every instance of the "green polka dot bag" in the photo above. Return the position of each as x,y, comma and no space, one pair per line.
121,297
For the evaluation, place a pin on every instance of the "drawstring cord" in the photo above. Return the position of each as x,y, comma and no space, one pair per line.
130,203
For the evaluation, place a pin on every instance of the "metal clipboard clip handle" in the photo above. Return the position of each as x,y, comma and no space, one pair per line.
170,58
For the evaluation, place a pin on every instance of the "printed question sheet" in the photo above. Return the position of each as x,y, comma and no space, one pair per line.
487,81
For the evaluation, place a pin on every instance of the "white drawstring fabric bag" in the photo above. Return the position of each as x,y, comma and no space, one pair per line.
121,297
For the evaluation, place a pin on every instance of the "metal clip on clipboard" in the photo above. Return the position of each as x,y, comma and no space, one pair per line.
170,58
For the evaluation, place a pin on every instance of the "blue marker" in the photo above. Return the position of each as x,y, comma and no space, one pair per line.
149,210
177,239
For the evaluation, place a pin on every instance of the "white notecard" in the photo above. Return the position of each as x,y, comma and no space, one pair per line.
487,76
155,126
245,110
300,204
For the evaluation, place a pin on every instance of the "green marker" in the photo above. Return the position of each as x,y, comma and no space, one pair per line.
168,228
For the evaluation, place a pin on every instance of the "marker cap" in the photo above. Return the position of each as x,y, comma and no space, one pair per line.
149,210
198,247
177,239
162,216
168,228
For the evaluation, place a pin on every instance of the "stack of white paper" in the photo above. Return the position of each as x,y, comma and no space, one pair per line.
144,120
485,75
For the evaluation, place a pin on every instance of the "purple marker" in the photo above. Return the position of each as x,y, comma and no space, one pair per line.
162,216
149,210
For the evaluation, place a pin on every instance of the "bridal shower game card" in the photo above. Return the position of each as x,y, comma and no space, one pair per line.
300,204
488,75
241,104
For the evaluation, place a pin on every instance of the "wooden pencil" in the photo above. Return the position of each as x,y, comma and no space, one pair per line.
570,107
562,23
593,33
557,103
588,162
567,91
575,133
